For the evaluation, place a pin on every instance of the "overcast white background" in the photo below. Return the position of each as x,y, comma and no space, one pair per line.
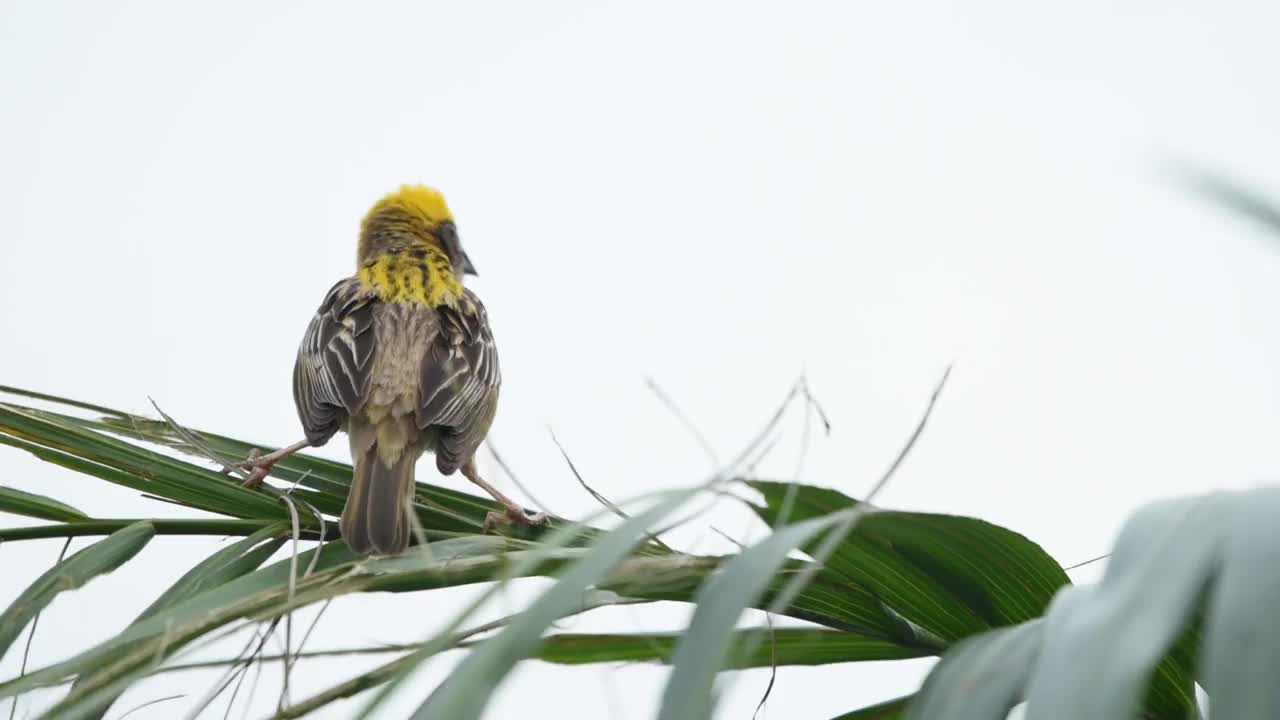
715,195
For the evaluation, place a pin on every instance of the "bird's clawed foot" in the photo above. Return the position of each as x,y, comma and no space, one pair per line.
258,466
513,514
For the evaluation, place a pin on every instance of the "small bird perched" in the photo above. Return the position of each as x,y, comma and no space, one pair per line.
400,357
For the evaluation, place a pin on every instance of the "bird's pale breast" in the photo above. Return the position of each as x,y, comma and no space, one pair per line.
404,331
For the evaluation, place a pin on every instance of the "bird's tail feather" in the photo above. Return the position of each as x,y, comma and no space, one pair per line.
376,516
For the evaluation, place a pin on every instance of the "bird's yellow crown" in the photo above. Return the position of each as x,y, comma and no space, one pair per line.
409,215
419,202
400,253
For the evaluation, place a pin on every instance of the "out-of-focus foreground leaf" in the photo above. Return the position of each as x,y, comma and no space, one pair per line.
98,559
1188,578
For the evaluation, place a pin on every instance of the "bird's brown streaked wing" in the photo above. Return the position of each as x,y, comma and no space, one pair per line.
331,374
459,384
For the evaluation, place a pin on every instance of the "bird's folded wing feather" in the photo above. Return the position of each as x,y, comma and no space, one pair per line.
331,374
459,381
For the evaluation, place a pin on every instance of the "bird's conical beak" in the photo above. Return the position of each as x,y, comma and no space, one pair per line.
467,267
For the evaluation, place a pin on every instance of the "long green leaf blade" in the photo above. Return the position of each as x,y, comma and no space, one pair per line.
781,646
954,576
65,443
19,502
98,559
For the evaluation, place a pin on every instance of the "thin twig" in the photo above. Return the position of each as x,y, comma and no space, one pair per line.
1086,562
149,703
812,407
728,537
806,431
314,622
292,590
764,433
506,469
683,418
233,672
256,664
689,425
697,513
35,622
198,444
793,489
773,666
906,449
600,498
817,407
749,467
606,502
240,676
287,497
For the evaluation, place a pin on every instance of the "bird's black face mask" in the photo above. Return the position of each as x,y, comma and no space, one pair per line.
447,234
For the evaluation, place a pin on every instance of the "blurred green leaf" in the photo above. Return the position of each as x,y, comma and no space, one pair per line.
889,710
465,692
28,504
988,671
1172,546
703,649
223,566
1237,198
98,559
1184,574
1241,649
781,646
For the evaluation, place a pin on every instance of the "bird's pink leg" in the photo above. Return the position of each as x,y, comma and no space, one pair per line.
259,466
512,512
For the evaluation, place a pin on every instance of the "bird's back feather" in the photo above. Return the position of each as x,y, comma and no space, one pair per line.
401,377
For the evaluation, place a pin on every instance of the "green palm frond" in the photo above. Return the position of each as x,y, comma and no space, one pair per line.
875,584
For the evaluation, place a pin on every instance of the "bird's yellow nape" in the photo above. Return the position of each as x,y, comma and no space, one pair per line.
417,201
407,217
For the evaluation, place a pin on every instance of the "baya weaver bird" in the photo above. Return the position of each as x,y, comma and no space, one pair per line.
400,357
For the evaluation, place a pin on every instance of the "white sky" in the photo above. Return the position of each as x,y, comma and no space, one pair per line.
716,195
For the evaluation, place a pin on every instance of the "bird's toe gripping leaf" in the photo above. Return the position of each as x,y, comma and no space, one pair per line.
513,514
